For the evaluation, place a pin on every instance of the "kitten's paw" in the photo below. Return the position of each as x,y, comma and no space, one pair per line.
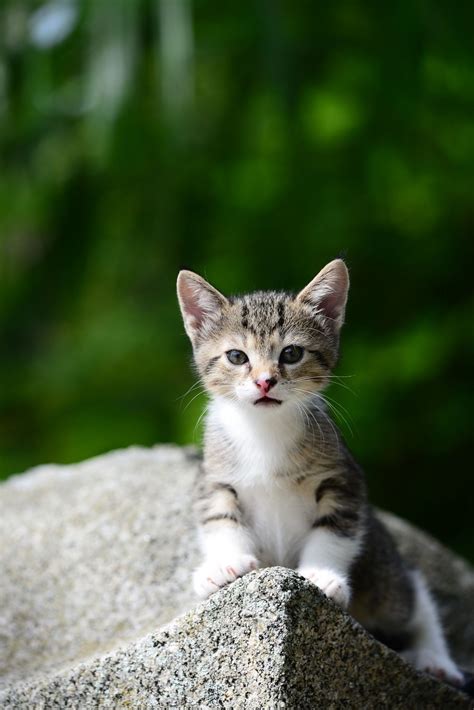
333,584
436,664
212,575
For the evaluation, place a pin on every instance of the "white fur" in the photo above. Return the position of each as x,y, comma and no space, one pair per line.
324,549
228,555
325,560
430,652
261,436
279,516
229,552
334,585
211,575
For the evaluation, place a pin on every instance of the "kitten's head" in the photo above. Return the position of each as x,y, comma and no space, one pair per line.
265,349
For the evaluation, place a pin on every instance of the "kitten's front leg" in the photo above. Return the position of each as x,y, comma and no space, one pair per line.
228,548
325,560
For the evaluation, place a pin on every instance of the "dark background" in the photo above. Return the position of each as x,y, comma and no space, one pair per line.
251,142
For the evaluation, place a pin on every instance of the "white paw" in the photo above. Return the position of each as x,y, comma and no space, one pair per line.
436,664
333,584
212,575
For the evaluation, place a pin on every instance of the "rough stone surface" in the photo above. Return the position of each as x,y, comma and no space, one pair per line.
95,558
92,555
271,640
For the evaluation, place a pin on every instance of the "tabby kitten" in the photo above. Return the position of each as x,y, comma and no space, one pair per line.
278,485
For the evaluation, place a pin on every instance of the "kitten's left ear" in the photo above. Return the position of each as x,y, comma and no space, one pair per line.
200,302
327,292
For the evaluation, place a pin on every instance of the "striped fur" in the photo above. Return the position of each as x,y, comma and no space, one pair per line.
278,485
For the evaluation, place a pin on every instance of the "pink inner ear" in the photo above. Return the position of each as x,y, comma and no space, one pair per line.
332,304
327,292
199,300
192,302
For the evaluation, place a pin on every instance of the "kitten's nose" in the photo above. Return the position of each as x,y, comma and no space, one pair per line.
265,384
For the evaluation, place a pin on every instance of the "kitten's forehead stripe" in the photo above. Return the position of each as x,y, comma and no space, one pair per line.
281,315
263,312
245,313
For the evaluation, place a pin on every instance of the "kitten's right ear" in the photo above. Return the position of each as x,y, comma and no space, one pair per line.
327,292
199,302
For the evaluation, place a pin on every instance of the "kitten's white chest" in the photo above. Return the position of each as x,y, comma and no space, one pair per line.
261,442
279,517
279,514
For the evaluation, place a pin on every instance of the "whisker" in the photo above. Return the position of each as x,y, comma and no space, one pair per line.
199,394
337,404
333,381
188,391
334,408
315,396
308,413
181,398
331,424
341,376
204,411
302,410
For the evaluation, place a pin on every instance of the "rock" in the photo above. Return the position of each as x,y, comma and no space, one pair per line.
92,555
95,558
271,640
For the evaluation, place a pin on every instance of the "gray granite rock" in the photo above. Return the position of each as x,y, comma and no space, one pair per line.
92,555
95,558
270,640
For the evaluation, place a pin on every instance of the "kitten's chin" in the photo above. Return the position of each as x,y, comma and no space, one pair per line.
264,402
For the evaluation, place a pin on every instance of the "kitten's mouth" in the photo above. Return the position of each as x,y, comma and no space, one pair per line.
267,401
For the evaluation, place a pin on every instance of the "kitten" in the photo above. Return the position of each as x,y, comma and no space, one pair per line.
279,486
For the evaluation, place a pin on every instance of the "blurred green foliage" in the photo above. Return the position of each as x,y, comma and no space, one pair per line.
251,142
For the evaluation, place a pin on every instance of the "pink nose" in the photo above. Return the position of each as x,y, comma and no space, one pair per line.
265,384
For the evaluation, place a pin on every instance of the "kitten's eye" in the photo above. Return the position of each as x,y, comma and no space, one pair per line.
236,357
291,354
